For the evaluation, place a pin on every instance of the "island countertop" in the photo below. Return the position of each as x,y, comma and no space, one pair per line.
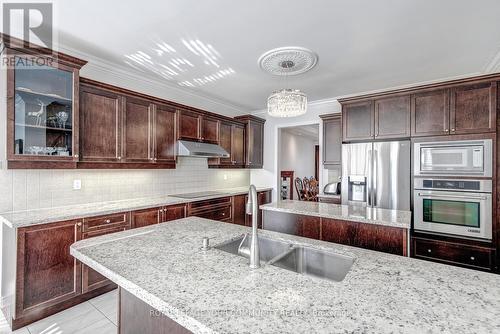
355,213
216,292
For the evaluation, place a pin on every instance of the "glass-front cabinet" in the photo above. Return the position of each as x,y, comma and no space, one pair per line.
43,111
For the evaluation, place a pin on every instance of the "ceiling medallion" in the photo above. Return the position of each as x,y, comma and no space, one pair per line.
283,62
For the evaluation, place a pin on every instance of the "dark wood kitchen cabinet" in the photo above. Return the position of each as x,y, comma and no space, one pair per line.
146,217
254,140
392,117
94,227
332,139
357,121
164,134
47,276
239,209
430,113
476,257
196,126
42,111
216,209
137,130
121,130
375,237
473,108
231,139
100,124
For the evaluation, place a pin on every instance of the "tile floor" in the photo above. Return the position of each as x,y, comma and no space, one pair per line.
98,315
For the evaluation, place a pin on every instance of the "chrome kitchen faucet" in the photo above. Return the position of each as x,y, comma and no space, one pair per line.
252,208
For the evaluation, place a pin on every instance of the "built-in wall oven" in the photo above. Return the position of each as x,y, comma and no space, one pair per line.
453,158
453,206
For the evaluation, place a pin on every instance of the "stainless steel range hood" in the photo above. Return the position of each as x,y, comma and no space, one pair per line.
200,150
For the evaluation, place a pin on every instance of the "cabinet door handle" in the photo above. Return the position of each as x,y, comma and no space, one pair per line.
107,221
119,158
452,130
155,159
429,251
76,155
78,224
445,130
472,258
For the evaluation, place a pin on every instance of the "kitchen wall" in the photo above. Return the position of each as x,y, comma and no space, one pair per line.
33,189
269,174
297,154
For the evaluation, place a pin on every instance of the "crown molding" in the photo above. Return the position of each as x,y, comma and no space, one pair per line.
117,74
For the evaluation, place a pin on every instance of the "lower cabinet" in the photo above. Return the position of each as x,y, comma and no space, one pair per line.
146,217
386,239
94,227
47,275
215,209
476,257
239,209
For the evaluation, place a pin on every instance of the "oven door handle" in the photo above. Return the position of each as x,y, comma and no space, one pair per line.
483,198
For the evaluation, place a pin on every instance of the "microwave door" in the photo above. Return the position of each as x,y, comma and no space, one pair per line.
391,175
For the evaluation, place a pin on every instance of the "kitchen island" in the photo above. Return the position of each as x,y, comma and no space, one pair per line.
353,225
163,267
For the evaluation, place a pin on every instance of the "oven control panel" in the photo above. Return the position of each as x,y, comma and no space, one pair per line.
451,184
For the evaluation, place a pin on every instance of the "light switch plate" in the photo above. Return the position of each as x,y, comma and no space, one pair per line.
77,184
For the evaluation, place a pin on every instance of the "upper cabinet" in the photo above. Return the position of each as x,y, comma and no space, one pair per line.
332,139
122,131
430,113
456,108
358,120
392,117
42,110
232,139
196,126
473,108
100,124
254,141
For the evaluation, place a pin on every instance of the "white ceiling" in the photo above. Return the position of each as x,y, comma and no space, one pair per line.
310,131
363,45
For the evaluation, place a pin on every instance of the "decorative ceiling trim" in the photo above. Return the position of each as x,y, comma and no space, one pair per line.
493,66
123,76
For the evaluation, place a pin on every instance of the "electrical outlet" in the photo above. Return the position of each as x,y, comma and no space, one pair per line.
77,184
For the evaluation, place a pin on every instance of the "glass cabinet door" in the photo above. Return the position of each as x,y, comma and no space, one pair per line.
43,111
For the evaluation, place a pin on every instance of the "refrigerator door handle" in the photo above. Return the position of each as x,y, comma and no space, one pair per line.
375,171
369,179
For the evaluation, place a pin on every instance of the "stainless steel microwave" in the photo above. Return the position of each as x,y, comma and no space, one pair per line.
453,158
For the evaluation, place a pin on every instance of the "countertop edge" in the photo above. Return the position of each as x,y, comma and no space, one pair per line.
267,207
170,200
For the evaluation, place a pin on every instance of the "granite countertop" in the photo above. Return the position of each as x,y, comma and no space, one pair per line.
355,213
18,219
216,292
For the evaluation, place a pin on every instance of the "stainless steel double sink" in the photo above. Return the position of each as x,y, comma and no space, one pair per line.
302,260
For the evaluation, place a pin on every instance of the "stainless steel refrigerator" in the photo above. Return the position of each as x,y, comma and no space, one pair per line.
377,174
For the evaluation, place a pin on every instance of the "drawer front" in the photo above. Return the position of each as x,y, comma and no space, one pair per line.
104,222
221,214
208,204
97,233
448,252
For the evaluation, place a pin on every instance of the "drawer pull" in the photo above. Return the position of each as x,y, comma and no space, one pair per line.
472,258
429,251
107,221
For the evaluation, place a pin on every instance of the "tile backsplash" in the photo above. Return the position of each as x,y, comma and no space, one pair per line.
33,189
